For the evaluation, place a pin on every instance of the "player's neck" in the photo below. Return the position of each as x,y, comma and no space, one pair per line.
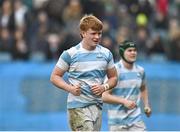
87,47
127,65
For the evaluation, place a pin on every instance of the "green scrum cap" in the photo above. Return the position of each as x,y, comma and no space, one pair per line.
123,46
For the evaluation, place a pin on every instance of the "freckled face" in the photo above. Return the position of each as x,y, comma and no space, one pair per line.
92,37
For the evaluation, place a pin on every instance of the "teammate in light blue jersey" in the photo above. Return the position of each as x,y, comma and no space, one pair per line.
87,64
124,112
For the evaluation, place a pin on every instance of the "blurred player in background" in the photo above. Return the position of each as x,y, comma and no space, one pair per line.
87,64
124,112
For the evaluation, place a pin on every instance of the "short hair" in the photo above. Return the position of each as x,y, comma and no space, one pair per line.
90,22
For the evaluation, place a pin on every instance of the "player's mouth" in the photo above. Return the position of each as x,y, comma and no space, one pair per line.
132,58
96,41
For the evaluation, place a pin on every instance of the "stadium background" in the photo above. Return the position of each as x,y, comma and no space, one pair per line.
33,33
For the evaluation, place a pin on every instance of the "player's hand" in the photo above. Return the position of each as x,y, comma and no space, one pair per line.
129,104
147,111
97,89
75,90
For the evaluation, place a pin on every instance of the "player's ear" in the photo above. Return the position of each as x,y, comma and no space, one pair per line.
82,34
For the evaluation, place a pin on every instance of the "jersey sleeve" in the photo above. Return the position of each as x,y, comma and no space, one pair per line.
64,61
143,78
110,61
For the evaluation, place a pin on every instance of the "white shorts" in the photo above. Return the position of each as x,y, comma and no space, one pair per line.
139,126
85,119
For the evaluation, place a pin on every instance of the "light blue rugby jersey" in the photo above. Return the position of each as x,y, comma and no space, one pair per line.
85,68
128,86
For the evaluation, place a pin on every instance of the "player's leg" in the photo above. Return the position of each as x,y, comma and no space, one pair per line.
85,119
117,128
139,126
97,117
78,120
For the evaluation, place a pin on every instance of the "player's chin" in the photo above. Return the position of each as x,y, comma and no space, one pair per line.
133,59
95,44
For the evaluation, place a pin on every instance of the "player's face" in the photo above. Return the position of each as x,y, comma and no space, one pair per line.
130,54
92,37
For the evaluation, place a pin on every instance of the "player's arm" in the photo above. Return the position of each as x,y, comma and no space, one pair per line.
111,78
144,96
111,82
57,79
107,97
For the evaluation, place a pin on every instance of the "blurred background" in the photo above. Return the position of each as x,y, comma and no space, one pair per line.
33,33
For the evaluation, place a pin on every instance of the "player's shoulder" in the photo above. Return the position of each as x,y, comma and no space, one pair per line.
73,49
117,64
103,49
139,67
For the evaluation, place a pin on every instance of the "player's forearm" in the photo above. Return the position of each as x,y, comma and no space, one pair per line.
144,96
112,99
60,83
112,82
